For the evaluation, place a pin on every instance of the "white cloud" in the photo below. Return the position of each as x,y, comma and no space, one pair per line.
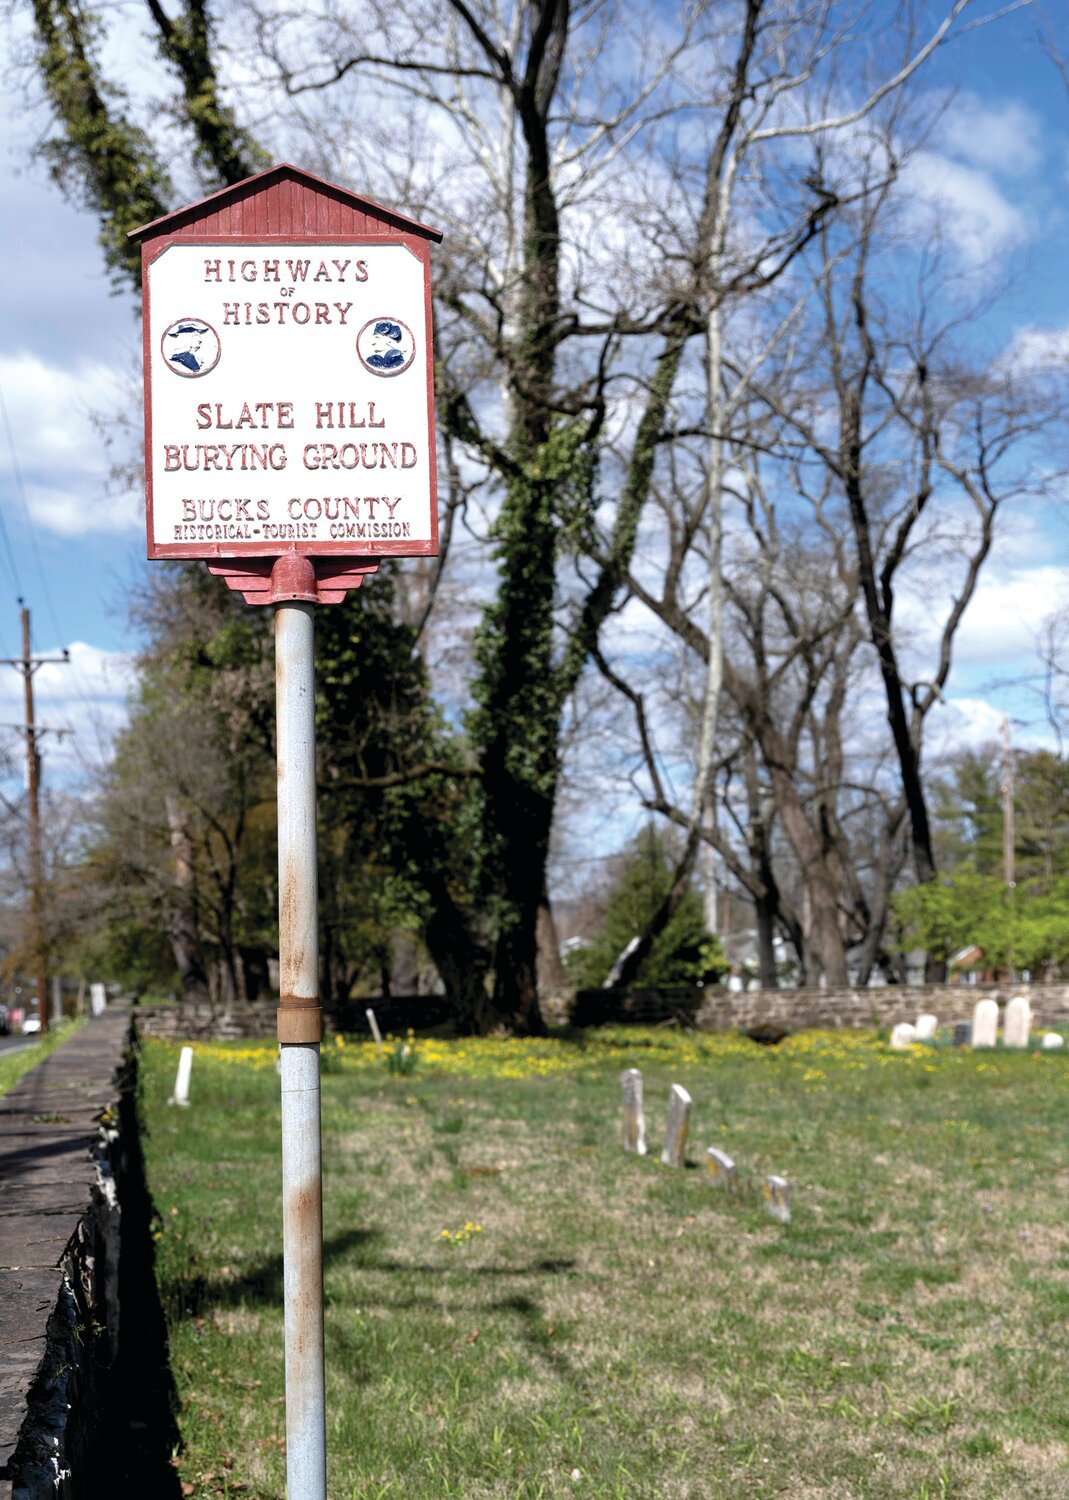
90,676
964,206
998,634
88,505
1004,618
969,723
85,698
98,674
1004,137
57,451
1038,350
961,724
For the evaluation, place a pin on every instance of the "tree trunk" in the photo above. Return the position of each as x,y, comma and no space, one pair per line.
519,725
879,605
182,929
766,897
825,931
462,964
553,981
241,983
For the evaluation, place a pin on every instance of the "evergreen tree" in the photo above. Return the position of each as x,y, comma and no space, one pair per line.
684,953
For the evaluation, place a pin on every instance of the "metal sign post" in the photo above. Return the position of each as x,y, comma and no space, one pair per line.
300,1030
289,443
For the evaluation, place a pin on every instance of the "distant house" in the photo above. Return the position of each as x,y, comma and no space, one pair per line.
966,967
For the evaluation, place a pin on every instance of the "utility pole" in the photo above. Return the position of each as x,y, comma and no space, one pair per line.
709,891
1009,873
1008,831
27,664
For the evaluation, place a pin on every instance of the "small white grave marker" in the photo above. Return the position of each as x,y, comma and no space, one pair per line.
903,1035
98,999
181,1083
375,1032
926,1027
721,1168
778,1198
634,1115
675,1131
1052,1041
985,1023
1018,1022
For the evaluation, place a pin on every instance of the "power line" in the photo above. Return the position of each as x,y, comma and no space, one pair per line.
28,664
12,567
79,686
30,528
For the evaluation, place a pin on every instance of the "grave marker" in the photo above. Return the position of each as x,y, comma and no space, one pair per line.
903,1035
721,1168
778,1198
1018,1022
926,1026
675,1132
634,1115
962,1033
181,1083
1052,1041
375,1032
985,1023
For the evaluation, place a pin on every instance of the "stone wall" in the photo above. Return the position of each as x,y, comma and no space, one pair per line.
711,1009
184,1022
181,1022
714,1009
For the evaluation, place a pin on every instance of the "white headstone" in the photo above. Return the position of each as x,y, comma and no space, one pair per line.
675,1131
903,1035
375,1032
778,1198
926,1027
985,1023
181,1083
720,1167
98,999
1052,1041
634,1115
1017,1023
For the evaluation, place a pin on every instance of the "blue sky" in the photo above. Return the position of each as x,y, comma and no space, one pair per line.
999,164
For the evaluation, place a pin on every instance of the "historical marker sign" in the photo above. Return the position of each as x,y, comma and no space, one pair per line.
289,376
289,442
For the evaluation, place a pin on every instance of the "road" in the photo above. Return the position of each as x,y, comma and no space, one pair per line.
15,1043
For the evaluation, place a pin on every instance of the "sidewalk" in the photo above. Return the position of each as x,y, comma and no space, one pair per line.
57,1215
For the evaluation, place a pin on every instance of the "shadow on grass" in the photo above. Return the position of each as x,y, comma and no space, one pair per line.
263,1282
188,1296
538,1333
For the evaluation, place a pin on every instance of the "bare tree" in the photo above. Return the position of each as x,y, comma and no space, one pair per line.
610,189
929,448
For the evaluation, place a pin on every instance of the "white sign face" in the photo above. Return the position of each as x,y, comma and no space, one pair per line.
289,400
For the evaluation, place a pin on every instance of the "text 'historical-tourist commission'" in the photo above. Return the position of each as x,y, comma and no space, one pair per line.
290,400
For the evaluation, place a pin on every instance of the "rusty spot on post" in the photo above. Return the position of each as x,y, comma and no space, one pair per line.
299,1024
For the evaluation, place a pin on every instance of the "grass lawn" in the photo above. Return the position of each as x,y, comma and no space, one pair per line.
617,1328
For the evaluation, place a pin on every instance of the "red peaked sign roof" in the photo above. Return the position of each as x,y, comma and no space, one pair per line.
286,202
